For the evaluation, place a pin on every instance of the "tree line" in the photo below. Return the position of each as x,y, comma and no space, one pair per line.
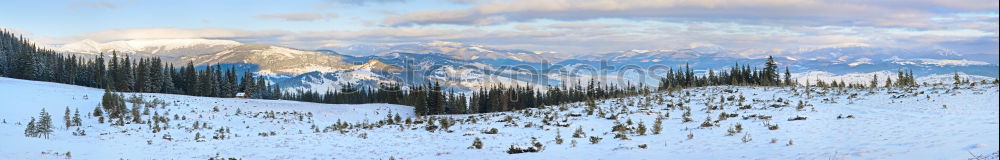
433,99
745,75
21,59
737,75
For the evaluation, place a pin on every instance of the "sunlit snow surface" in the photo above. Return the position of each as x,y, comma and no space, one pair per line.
888,124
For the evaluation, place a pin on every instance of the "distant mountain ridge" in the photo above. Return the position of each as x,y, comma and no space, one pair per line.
455,50
467,66
273,60
167,48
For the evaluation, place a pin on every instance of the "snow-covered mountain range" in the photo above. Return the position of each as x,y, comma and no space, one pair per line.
273,60
166,48
467,66
455,50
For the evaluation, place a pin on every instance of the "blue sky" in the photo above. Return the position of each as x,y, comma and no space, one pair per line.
748,28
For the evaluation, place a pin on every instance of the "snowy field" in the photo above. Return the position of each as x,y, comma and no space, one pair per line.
930,122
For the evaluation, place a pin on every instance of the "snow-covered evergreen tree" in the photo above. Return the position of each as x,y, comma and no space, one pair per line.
76,118
44,126
29,130
66,119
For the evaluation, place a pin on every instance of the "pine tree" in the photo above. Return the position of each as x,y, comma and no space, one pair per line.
197,137
434,99
213,82
579,133
957,79
66,119
788,77
658,125
76,118
100,72
419,103
770,71
874,82
641,129
190,79
136,115
114,75
156,75
141,76
167,84
30,130
277,93
128,76
98,112
114,104
44,124
559,139
903,80
476,144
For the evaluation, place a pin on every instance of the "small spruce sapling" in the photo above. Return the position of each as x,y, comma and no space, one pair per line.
641,129
29,130
66,119
476,144
76,118
44,126
559,139
658,125
579,133
595,140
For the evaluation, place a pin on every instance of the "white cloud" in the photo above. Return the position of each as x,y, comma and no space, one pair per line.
162,33
578,25
584,37
749,28
525,27
304,16
365,2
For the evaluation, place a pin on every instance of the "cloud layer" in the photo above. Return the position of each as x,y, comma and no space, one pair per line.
743,27
897,13
303,16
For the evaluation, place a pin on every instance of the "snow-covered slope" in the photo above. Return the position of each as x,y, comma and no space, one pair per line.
931,122
273,60
334,81
244,118
368,74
